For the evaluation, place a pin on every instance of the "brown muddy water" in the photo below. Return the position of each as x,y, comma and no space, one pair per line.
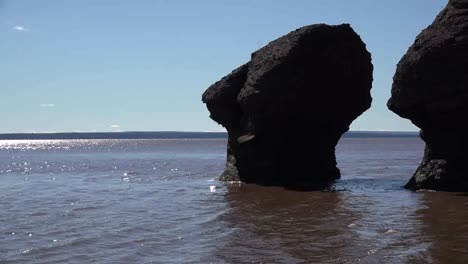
149,201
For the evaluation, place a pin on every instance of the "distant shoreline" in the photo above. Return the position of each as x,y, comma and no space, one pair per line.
176,135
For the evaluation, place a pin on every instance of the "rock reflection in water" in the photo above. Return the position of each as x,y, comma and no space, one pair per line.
284,226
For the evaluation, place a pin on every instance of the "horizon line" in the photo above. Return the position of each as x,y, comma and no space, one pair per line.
177,131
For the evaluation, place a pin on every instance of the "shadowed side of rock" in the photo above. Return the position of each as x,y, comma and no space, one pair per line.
431,89
286,109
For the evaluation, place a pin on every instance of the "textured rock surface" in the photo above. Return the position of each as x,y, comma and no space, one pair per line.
431,89
286,109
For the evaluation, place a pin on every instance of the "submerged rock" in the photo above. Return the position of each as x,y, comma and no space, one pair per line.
286,109
431,89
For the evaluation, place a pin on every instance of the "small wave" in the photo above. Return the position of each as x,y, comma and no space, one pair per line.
130,173
84,208
26,251
131,176
390,231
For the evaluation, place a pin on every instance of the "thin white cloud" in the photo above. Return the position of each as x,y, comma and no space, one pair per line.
20,28
115,126
39,132
215,130
47,105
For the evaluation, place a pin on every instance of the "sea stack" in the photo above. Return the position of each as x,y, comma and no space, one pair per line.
430,87
286,108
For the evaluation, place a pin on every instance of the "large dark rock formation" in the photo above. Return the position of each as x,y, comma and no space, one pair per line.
431,89
286,109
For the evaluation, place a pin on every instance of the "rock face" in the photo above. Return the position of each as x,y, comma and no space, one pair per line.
286,109
431,89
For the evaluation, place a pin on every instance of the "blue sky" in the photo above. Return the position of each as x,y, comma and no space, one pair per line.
97,65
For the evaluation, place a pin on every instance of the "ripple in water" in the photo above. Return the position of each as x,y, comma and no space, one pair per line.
144,201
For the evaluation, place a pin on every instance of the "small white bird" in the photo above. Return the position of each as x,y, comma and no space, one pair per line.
212,188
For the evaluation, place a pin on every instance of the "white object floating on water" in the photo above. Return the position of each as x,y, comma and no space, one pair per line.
55,240
212,188
30,235
352,225
390,231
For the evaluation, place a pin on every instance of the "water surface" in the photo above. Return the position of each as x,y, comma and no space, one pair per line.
149,201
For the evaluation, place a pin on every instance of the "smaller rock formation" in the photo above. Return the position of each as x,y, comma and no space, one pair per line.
431,89
286,109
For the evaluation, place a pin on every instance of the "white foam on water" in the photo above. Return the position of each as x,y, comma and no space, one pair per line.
372,251
235,182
